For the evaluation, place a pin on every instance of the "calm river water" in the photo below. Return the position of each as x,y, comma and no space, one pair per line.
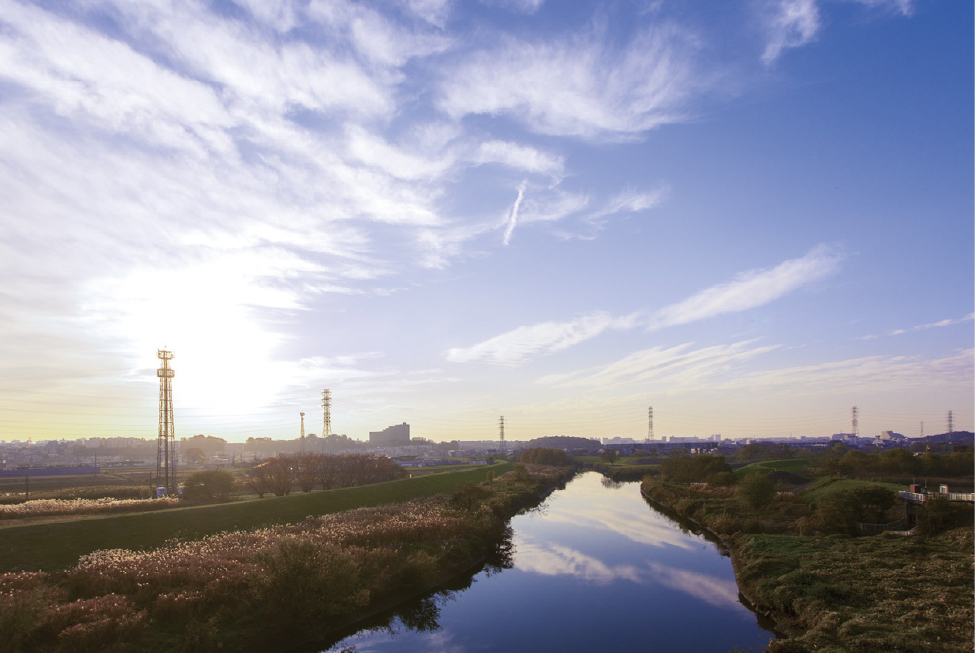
595,568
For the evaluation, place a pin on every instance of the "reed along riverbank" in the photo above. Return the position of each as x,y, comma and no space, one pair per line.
283,586
837,592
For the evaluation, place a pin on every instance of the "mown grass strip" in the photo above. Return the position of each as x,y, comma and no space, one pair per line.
49,546
793,466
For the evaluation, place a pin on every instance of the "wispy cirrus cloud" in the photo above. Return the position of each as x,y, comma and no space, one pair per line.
524,343
880,373
750,289
578,87
789,24
675,366
924,327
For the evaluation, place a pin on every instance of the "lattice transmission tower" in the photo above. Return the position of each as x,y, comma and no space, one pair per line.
504,448
856,421
302,432
951,423
166,442
327,416
650,425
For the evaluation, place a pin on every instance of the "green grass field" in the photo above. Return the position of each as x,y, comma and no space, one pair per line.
57,544
825,486
793,466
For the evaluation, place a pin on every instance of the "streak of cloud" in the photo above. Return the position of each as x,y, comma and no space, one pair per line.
524,343
513,214
750,289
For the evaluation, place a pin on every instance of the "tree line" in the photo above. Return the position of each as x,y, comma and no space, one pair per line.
281,474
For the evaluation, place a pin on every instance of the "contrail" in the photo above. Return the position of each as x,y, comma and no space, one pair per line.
513,217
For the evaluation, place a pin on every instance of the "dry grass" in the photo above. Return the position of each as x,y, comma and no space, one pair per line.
295,580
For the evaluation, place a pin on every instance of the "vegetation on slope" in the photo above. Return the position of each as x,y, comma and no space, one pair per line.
54,545
800,557
272,587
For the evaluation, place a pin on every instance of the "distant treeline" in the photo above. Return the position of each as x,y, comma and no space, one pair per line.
280,474
563,442
545,456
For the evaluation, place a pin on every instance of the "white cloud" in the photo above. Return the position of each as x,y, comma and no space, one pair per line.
577,87
522,344
557,560
789,24
513,214
750,289
520,157
878,374
677,366
924,327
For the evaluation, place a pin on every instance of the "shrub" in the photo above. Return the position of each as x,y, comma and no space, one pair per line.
209,485
756,490
305,581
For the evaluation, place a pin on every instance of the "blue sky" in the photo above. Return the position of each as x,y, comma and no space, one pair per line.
750,215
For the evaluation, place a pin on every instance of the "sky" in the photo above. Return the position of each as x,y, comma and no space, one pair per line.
748,215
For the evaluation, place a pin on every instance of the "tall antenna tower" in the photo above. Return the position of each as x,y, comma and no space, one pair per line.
302,432
922,428
504,448
327,408
856,420
166,442
650,425
951,423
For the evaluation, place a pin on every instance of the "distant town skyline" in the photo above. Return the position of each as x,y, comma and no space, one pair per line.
751,216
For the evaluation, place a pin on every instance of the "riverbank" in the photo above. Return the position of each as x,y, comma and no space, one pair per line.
282,587
837,592
58,543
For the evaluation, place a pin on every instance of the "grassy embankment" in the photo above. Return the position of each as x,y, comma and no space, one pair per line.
52,545
629,468
277,587
833,592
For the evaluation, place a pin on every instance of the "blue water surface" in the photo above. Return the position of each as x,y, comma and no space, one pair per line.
595,568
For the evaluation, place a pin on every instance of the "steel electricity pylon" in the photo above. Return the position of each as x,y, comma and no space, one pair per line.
166,442
327,413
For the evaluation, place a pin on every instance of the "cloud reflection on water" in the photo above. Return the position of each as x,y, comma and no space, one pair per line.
557,560
719,592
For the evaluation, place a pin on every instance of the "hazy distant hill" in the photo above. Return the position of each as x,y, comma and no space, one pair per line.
563,442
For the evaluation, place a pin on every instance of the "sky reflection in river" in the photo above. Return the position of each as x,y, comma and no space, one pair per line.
595,569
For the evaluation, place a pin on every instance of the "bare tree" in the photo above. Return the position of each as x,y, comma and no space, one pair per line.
258,479
306,470
280,474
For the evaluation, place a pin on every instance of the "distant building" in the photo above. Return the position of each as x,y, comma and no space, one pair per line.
391,436
890,436
619,441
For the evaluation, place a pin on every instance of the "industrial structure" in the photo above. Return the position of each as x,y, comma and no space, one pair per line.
302,432
856,425
327,417
503,446
650,426
391,436
166,442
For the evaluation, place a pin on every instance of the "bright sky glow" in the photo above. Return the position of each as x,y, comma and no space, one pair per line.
749,215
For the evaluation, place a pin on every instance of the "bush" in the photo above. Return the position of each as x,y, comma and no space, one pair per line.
756,490
209,485
693,469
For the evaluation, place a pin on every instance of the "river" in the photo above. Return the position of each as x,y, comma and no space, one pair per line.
594,568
